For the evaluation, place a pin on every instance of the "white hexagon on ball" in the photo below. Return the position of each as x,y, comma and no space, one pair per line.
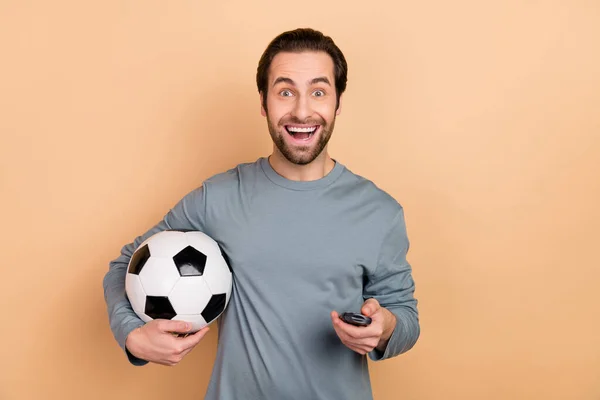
218,277
190,295
158,276
167,243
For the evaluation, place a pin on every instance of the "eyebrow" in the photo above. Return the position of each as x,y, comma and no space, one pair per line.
320,79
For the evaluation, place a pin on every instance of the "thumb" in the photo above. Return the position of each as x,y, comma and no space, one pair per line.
370,307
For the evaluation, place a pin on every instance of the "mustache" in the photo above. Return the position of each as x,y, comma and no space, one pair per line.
298,121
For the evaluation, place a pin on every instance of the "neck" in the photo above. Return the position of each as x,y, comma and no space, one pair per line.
317,169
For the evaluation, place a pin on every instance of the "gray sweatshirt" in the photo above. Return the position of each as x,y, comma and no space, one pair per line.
298,250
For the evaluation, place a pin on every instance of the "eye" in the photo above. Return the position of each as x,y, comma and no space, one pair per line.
319,93
285,93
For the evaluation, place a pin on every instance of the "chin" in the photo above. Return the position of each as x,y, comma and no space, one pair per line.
303,157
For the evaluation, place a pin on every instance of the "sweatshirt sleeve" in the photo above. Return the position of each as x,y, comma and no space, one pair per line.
187,214
392,285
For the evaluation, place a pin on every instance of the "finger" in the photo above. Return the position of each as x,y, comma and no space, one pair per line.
340,326
188,347
370,307
356,332
355,349
185,353
335,322
359,345
189,342
358,348
344,337
170,326
364,344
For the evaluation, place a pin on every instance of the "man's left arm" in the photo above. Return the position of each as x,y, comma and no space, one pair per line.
392,286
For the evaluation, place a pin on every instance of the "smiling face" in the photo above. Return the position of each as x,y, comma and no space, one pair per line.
301,104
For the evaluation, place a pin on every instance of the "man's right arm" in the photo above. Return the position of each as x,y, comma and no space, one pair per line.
187,214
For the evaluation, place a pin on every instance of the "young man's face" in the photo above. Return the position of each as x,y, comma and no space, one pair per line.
301,104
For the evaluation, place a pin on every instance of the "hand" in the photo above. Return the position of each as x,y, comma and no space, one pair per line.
363,339
156,341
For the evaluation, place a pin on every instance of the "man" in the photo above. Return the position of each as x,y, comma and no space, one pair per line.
306,239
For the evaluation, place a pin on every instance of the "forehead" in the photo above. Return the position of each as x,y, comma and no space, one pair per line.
302,67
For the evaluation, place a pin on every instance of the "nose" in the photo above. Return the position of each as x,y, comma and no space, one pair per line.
302,109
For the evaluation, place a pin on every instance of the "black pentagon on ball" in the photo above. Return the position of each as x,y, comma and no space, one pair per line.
215,306
190,262
159,307
138,260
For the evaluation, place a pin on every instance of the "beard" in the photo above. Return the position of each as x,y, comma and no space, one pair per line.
300,155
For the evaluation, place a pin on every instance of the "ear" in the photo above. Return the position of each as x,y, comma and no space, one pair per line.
339,108
263,112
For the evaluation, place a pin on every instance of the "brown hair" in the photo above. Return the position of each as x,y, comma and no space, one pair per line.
296,41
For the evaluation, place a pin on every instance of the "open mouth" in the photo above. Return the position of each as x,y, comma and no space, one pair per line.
304,133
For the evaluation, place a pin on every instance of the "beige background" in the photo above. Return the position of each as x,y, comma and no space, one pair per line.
481,118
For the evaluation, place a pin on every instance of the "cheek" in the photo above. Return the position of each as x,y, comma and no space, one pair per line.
326,108
277,109
327,112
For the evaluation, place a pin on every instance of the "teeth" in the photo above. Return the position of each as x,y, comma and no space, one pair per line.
298,129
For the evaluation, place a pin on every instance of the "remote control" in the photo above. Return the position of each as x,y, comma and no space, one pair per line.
355,319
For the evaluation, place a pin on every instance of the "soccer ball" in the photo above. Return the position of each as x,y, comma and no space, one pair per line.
179,275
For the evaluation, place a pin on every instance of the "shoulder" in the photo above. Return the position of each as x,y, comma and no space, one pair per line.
231,180
370,193
386,217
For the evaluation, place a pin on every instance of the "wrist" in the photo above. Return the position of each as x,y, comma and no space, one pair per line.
131,339
388,329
